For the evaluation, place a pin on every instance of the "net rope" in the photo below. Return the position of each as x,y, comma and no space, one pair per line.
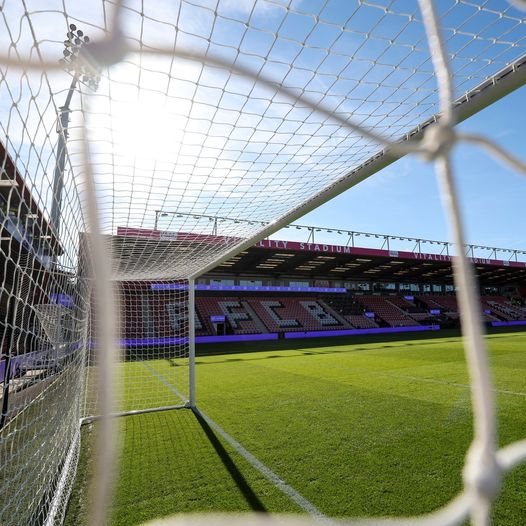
258,110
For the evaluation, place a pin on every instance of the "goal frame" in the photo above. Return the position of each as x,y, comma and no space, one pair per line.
472,102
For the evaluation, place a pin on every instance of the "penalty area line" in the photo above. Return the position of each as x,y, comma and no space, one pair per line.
285,488
164,381
270,475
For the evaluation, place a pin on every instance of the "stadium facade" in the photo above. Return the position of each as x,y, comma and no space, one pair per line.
28,249
289,289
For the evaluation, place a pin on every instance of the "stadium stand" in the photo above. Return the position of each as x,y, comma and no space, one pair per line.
345,304
502,308
158,314
296,314
406,305
360,321
445,304
448,304
390,313
134,317
352,311
417,313
238,315
287,286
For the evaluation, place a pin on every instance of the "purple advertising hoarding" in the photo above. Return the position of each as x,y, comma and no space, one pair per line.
146,342
23,362
62,299
247,288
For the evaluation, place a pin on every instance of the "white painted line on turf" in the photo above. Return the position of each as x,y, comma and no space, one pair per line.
166,383
505,391
285,488
66,476
445,382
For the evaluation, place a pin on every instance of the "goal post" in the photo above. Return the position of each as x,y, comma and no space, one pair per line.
191,343
154,370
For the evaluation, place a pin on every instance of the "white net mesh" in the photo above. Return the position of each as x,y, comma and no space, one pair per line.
154,331
197,112
172,134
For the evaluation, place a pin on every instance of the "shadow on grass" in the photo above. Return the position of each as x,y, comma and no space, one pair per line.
170,352
244,487
334,345
212,349
223,357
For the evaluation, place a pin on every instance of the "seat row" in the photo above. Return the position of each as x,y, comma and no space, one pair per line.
150,315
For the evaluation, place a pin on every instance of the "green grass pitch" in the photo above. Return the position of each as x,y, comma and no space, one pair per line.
360,427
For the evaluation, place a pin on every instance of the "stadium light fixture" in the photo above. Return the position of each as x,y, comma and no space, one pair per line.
159,213
86,75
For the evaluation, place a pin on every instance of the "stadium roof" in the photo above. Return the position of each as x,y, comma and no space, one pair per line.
311,260
327,261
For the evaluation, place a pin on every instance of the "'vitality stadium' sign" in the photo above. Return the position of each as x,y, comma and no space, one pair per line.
298,246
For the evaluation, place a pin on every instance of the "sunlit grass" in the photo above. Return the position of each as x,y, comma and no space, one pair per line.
378,427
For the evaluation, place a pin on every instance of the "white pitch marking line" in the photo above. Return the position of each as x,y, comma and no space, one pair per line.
285,488
445,382
164,381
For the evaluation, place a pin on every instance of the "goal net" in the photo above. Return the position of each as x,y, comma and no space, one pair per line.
163,120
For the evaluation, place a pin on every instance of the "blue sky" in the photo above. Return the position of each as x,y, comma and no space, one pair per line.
404,198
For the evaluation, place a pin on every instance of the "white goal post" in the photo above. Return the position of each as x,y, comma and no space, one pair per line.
257,111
